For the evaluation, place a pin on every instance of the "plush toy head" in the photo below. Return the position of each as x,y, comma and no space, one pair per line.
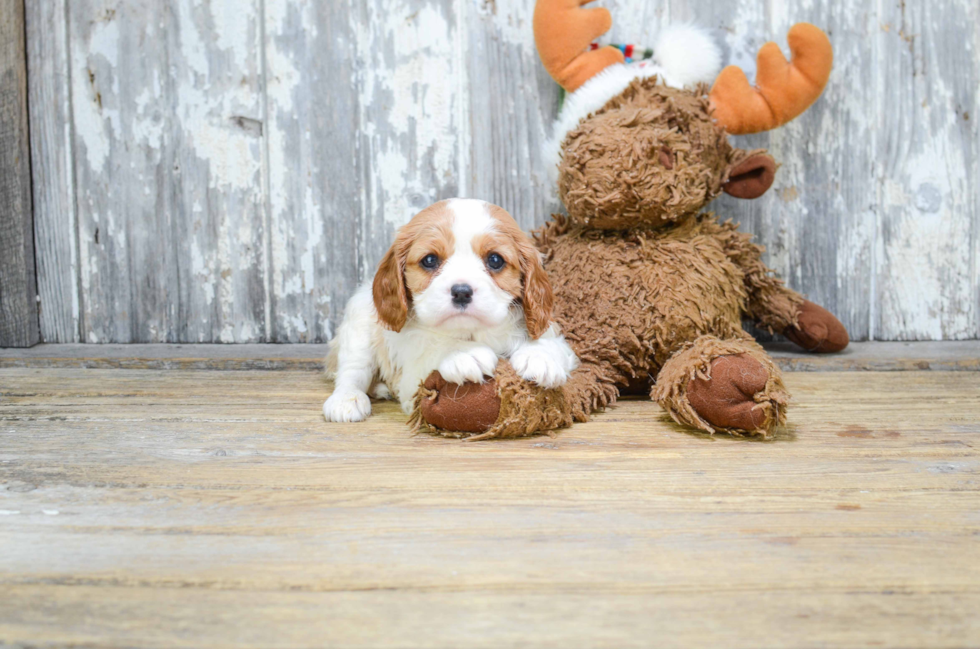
647,144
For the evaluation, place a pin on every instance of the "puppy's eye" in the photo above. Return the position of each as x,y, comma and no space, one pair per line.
430,262
495,261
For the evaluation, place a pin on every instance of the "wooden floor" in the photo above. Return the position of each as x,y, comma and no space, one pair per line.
206,508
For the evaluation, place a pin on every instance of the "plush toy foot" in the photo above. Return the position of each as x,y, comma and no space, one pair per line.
503,407
506,406
727,399
818,330
467,408
723,385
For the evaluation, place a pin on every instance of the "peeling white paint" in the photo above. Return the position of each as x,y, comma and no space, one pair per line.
238,31
283,82
928,249
314,236
170,149
149,129
511,20
410,65
745,33
97,122
159,154
298,324
201,270
205,116
928,244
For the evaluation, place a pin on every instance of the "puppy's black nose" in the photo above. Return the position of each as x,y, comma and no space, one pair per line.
462,294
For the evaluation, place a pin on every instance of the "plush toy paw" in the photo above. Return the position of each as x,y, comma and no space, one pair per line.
470,365
346,405
727,399
466,408
818,330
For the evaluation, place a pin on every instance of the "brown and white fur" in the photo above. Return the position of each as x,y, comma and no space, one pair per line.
458,316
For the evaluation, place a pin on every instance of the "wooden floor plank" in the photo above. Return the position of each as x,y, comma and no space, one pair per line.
204,508
123,617
947,355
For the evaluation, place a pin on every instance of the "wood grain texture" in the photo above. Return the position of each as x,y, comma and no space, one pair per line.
168,149
928,151
52,156
346,118
512,102
18,286
143,508
316,173
945,356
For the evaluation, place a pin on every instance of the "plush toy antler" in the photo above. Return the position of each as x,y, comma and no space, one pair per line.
563,31
783,90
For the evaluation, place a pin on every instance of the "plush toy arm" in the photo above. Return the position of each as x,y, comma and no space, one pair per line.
770,304
775,307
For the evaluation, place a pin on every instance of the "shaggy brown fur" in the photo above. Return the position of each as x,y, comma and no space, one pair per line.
649,290
446,409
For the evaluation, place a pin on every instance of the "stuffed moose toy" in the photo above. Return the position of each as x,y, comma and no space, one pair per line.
649,290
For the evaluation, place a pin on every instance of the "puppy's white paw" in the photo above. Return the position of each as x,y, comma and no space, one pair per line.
380,391
347,405
539,366
470,365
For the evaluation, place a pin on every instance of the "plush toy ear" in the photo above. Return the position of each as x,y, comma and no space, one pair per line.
538,298
751,177
390,292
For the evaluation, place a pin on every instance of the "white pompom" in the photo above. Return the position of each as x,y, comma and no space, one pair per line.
688,54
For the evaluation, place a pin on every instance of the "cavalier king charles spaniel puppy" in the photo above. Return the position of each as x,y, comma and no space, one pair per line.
461,287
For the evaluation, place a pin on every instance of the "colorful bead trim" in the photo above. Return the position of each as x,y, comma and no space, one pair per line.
630,52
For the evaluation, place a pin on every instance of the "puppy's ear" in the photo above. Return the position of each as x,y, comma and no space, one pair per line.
390,292
538,298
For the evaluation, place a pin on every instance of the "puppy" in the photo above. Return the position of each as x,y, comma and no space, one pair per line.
461,287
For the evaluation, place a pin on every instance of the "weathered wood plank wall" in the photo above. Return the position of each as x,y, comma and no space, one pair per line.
229,171
18,286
